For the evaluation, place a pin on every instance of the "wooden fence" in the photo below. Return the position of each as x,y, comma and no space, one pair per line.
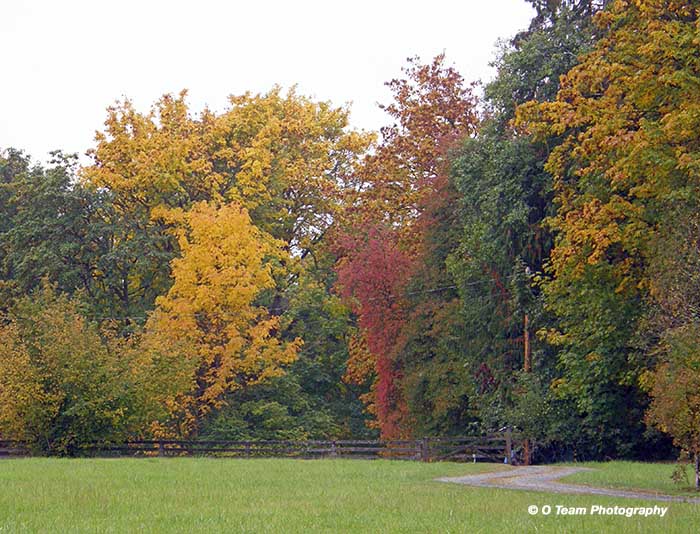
489,448
9,448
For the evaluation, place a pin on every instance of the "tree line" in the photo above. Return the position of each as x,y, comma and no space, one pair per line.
271,272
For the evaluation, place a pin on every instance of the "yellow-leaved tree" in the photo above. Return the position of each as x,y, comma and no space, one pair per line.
210,317
67,383
281,156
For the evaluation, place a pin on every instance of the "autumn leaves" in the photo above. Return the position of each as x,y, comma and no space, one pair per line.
245,195
209,316
268,267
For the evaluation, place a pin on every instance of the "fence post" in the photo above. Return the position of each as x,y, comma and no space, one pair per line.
247,449
334,450
161,448
509,445
424,450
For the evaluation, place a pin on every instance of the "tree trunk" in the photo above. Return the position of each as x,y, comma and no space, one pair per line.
697,471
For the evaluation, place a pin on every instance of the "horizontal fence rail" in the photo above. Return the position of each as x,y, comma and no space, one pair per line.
10,448
488,448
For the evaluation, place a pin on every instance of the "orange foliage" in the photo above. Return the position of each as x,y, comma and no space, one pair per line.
209,315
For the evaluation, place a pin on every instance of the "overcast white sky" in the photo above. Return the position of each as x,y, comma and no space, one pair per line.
65,61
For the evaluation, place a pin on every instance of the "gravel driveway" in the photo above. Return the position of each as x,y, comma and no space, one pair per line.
544,478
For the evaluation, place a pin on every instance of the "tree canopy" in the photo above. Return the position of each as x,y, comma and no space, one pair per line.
522,254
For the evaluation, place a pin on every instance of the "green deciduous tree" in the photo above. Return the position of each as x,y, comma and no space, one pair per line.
500,244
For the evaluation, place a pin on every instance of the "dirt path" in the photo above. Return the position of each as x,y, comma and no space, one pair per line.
544,478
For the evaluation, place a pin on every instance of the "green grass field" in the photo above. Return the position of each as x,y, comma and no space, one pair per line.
650,477
287,496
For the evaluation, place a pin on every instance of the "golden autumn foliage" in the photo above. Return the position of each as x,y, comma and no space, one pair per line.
282,157
361,370
65,383
237,191
209,316
26,407
628,115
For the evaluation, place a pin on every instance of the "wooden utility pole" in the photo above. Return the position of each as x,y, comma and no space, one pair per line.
527,367
526,342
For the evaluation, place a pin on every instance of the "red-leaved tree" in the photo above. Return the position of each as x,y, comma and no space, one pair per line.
379,237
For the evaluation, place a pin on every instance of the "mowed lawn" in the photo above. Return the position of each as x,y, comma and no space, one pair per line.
654,478
287,496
